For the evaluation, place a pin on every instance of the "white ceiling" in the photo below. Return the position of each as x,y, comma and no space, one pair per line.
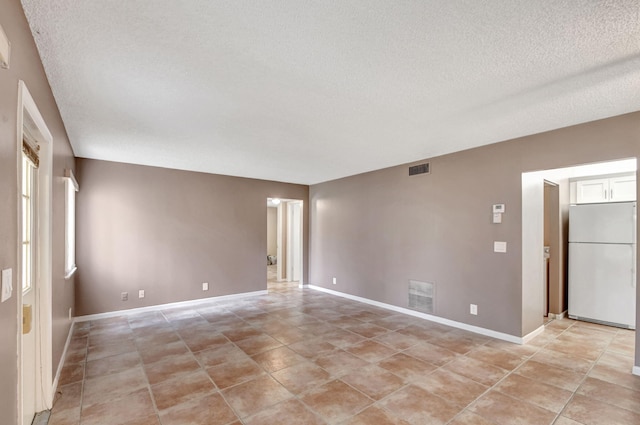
308,91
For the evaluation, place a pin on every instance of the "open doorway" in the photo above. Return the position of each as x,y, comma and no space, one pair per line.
284,244
535,207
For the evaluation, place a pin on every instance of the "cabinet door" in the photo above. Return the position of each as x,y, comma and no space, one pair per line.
592,191
622,189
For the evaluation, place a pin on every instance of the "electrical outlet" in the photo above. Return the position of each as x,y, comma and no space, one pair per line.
473,309
124,296
141,293
334,281
205,286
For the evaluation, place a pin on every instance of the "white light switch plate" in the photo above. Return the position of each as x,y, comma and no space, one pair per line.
499,246
7,285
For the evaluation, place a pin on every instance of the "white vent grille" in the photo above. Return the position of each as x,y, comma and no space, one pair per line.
422,296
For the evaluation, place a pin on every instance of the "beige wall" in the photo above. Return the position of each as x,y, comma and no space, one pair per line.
375,231
272,228
167,231
26,66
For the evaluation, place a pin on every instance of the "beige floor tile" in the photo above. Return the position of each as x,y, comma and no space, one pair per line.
460,345
588,351
340,362
234,372
476,370
154,353
589,411
68,397
313,348
373,381
65,417
469,418
562,360
171,367
611,394
113,364
419,407
397,340
199,342
302,377
241,333
431,353
566,421
253,396
101,351
407,367
375,416
371,351
542,395
342,338
505,410
336,401
290,412
257,344
454,388
115,385
184,388
279,358
71,372
211,409
551,375
497,357
367,330
220,355
134,408
289,335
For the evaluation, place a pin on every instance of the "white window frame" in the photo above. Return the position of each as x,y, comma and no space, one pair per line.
27,229
71,187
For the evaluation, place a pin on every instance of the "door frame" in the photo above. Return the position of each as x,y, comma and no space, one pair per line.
28,113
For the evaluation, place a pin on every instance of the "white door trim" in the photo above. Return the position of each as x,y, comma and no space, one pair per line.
42,323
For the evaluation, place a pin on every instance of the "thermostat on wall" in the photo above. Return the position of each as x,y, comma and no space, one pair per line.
498,208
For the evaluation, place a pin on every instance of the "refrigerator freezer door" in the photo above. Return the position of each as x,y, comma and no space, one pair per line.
603,223
602,283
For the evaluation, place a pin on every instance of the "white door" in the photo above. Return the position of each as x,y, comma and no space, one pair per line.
28,260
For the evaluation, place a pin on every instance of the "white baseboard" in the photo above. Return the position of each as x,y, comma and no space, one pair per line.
528,337
303,285
636,370
559,316
54,385
437,319
189,303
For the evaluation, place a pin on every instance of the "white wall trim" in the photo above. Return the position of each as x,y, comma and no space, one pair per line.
62,358
437,319
558,316
528,337
156,307
636,370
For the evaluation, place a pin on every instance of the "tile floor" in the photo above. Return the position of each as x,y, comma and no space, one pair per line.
304,357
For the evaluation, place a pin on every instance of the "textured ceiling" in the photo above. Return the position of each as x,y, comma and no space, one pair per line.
307,91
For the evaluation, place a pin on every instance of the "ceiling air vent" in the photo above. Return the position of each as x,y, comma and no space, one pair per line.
422,296
419,169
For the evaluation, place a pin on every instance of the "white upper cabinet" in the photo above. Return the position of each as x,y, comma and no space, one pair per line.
606,189
622,188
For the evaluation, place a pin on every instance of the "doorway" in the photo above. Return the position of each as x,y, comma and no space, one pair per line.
533,213
284,237
34,163
552,248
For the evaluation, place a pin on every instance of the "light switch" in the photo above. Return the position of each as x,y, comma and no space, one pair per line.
7,284
499,246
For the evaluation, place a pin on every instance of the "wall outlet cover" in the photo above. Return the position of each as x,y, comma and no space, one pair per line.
124,296
499,246
334,281
473,309
205,286
141,293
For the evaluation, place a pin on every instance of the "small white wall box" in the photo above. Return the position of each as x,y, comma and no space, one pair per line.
5,49
498,208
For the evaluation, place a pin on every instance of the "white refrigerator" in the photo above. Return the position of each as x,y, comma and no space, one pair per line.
602,260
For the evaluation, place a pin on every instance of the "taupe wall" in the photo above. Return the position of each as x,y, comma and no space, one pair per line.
26,66
375,231
167,231
272,230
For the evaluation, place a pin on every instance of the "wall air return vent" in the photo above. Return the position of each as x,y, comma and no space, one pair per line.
422,296
419,169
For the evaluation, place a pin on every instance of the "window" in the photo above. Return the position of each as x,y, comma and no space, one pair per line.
28,213
70,225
